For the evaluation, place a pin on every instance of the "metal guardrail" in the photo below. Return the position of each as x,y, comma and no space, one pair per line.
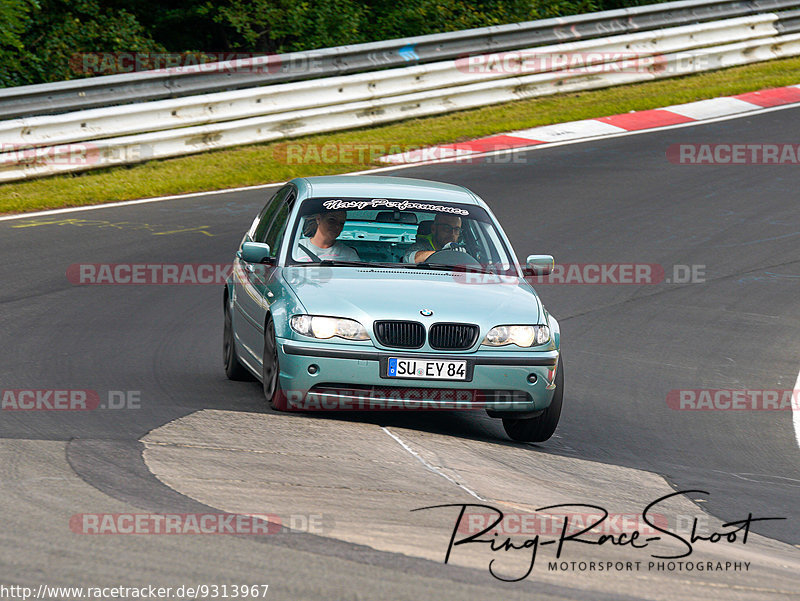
788,21
313,107
290,98
112,90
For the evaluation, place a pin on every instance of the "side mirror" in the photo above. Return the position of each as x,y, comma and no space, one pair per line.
255,252
539,264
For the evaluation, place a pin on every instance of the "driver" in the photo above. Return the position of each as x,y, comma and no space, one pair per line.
445,230
323,245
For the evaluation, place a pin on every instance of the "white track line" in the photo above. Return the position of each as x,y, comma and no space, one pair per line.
134,202
429,466
411,165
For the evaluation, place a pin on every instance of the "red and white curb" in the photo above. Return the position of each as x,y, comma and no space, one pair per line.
604,126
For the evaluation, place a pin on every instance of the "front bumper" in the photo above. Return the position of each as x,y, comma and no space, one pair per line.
349,377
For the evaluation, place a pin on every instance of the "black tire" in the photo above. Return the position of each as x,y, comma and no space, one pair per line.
270,368
233,367
539,429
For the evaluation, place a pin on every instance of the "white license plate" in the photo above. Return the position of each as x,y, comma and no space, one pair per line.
428,369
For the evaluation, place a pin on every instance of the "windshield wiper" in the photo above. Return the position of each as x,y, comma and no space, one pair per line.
336,262
437,266
431,266
444,267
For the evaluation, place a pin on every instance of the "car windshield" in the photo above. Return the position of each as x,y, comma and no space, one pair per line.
411,234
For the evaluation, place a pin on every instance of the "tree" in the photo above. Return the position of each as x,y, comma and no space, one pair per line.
14,18
51,40
52,36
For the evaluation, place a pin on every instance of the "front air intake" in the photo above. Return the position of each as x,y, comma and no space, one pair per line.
400,334
452,336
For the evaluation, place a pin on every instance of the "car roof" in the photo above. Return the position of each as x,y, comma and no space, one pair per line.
377,186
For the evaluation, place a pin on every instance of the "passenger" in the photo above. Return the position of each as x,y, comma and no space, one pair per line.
323,245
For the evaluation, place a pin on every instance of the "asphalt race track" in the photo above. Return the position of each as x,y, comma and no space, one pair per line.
188,440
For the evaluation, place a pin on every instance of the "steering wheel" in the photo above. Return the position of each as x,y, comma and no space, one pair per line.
451,257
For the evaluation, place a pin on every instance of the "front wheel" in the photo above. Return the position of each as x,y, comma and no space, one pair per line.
270,370
541,428
233,367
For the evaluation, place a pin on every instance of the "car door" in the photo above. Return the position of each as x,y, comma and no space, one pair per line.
269,282
252,281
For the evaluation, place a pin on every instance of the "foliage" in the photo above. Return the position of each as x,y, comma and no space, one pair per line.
51,33
43,40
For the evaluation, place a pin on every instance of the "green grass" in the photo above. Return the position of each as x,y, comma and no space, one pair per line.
266,163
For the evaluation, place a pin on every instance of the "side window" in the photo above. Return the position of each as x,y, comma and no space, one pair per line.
261,218
275,233
259,232
251,232
279,220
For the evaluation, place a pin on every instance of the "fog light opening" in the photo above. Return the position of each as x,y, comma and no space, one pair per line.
532,378
313,368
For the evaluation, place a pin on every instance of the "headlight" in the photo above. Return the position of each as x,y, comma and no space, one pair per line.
519,335
317,326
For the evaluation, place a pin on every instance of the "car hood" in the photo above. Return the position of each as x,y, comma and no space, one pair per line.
368,294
